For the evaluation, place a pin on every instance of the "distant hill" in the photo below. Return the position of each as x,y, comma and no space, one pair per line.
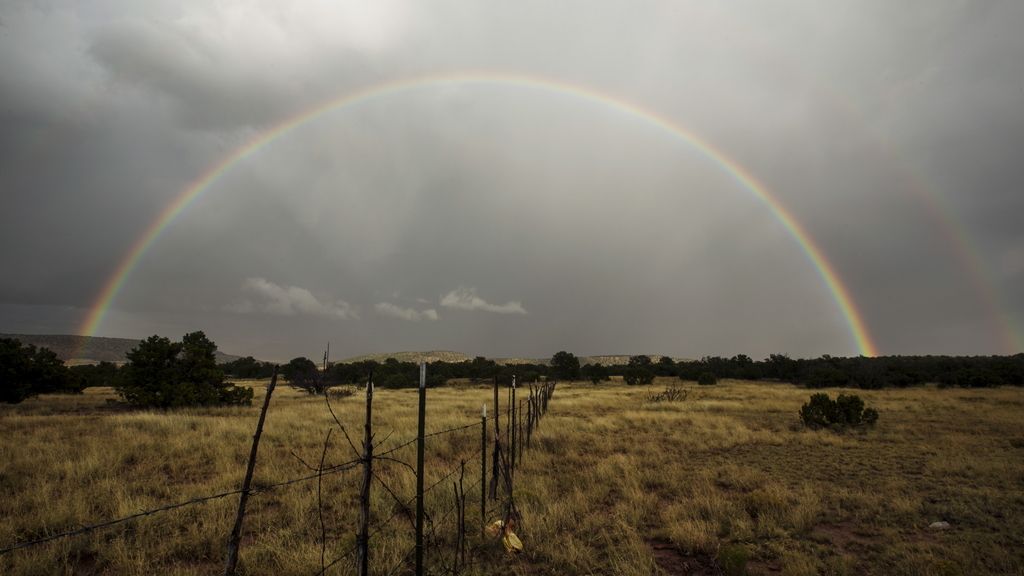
434,356
606,360
414,357
619,359
450,356
89,349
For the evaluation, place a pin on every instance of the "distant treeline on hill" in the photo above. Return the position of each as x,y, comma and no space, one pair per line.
27,370
826,371
868,373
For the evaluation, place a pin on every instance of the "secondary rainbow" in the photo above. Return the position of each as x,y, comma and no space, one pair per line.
841,295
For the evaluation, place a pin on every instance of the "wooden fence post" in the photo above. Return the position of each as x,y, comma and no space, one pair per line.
420,429
363,537
512,425
236,533
540,411
461,493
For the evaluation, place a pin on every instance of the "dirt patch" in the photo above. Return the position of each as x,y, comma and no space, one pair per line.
674,562
764,567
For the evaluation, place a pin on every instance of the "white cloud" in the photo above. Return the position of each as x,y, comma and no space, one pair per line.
290,301
465,298
409,314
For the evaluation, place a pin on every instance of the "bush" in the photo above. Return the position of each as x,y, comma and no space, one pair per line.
303,374
595,373
870,416
733,559
671,394
707,379
638,371
818,412
846,410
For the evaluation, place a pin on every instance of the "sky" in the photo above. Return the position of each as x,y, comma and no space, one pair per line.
683,178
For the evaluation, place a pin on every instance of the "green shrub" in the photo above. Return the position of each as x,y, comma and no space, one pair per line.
849,410
817,413
846,410
733,558
870,416
707,379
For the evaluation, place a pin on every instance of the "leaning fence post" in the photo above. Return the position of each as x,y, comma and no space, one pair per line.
461,504
363,537
420,428
483,470
236,532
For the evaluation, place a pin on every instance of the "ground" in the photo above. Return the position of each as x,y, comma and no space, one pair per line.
723,482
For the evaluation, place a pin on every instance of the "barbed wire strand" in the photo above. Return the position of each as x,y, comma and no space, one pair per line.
193,501
320,472
401,562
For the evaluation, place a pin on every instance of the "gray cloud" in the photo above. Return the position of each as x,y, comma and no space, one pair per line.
873,126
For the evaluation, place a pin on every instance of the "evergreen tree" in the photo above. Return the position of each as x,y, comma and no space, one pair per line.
165,374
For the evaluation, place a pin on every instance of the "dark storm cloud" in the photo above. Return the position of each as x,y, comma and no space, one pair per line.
505,220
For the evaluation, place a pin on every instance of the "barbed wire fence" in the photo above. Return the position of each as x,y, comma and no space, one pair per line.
450,552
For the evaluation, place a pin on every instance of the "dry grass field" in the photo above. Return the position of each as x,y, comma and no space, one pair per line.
723,482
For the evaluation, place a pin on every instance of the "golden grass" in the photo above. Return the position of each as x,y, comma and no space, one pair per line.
610,475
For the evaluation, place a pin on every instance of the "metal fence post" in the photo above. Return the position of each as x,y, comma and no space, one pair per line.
419,468
483,470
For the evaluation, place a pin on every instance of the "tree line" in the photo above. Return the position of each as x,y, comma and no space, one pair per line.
161,373
823,372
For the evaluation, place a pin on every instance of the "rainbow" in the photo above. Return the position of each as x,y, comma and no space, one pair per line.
966,252
840,294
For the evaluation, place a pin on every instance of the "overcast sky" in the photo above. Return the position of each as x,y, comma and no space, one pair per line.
506,220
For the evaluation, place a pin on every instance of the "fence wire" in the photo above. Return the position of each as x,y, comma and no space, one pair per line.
403,507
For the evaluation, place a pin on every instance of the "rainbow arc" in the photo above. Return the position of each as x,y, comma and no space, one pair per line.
747,181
